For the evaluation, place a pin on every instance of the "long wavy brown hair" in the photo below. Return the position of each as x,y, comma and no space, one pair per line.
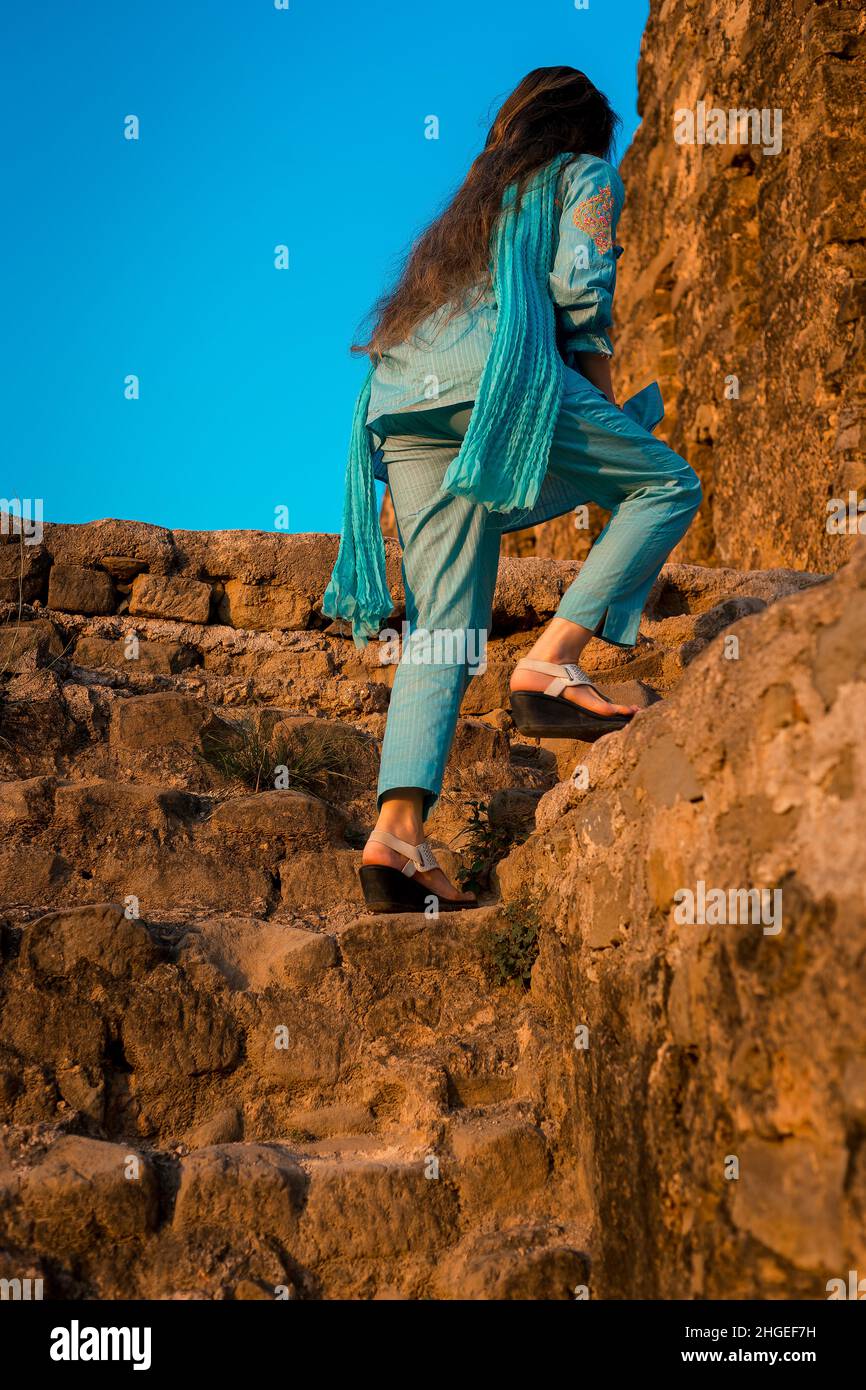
553,110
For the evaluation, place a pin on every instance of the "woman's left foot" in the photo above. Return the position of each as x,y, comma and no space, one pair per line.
397,876
566,706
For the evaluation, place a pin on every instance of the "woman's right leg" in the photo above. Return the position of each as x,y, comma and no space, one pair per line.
600,455
450,561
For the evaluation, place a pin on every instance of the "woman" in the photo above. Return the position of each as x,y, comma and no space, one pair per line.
491,407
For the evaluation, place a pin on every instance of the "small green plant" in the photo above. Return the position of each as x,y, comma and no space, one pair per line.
510,949
482,844
309,758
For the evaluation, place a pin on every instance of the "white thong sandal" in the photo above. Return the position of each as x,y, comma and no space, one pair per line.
395,890
546,714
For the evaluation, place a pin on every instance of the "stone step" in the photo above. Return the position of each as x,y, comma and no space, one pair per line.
85,729
175,848
165,847
252,1028
387,1217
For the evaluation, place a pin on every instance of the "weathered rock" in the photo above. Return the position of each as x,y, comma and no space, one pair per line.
74,589
713,280
489,689
378,1107
478,742
307,956
23,570
261,607
148,721
169,1026
276,816
226,1127
299,564
84,1190
122,568
703,1092
101,936
31,875
308,879
157,596
381,1209
27,804
299,1045
235,1186
378,946
527,1263
497,1159
253,955
165,658
18,640
45,1033
528,591
97,541
100,808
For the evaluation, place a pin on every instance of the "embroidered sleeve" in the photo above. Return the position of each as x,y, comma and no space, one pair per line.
583,278
593,216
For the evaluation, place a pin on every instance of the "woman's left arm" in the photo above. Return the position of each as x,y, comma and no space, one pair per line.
595,366
583,279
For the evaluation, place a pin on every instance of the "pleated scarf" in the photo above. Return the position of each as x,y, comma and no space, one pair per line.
503,458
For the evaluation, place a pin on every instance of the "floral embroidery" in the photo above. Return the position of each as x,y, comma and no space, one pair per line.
593,217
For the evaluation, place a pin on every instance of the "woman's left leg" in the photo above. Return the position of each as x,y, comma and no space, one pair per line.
450,561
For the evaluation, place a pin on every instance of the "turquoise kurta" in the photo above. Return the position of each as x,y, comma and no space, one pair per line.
598,453
442,362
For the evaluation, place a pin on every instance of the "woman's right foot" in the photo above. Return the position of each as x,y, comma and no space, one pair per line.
407,892
584,695
552,700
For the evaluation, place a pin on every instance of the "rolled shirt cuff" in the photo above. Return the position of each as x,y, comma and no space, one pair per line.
591,342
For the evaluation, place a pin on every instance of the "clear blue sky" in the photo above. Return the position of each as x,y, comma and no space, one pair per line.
155,257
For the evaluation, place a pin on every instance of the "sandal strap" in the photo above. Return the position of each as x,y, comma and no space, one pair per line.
417,856
569,674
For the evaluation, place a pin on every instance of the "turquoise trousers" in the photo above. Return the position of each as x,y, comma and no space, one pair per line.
451,556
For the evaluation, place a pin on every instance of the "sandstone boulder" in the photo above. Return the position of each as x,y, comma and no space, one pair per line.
308,879
251,954
74,589
475,741
526,1263
101,936
27,804
496,1156
96,542
84,1188
30,874
100,809
164,658
23,570
240,1186
168,1025
280,816
384,1209
261,607
158,596
693,1049
148,721
18,640
226,1127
